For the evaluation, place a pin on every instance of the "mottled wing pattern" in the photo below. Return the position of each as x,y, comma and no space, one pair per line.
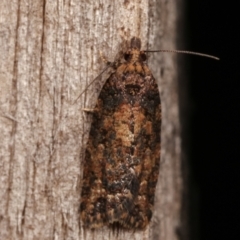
121,165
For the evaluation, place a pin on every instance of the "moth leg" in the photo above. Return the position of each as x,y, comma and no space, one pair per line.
104,59
89,110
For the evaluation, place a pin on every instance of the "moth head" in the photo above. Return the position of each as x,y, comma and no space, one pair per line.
142,56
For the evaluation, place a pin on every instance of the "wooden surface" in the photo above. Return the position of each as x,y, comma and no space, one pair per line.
49,53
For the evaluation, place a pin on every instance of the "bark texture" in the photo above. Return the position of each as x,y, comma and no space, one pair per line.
49,53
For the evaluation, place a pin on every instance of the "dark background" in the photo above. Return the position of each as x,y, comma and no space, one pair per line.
213,27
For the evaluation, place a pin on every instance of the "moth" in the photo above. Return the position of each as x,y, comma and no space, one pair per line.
122,158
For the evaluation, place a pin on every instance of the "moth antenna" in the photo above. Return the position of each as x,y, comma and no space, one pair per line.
109,65
186,52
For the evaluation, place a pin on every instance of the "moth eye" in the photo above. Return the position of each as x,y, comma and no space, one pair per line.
143,56
127,56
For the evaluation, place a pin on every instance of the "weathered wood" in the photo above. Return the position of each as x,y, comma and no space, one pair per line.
49,53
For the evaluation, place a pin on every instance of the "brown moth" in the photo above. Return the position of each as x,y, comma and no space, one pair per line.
122,158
